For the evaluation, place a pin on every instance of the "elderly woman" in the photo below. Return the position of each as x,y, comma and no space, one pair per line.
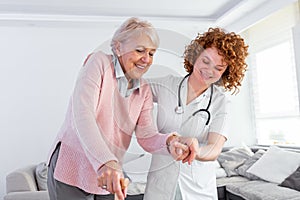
110,102
196,106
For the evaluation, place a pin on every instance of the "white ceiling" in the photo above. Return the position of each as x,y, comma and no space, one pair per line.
234,14
200,9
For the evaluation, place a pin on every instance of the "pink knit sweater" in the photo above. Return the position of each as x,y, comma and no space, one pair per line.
99,125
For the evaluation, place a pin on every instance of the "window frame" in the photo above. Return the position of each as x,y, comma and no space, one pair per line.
264,36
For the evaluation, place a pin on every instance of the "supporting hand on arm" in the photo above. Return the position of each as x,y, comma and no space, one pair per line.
193,148
183,148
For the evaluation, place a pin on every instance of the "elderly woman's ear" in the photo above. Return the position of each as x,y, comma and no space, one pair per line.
118,49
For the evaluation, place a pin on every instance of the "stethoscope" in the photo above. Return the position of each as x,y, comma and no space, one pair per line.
179,108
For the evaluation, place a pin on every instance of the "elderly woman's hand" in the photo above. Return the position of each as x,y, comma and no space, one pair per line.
111,179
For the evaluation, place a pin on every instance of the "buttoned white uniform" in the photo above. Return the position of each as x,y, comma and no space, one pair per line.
196,181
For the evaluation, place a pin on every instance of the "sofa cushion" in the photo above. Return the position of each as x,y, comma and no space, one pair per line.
261,190
226,180
41,171
275,165
242,170
293,181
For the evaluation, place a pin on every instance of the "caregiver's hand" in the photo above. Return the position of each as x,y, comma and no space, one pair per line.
177,149
193,148
183,148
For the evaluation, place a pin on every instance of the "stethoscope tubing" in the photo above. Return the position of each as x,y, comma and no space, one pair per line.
179,109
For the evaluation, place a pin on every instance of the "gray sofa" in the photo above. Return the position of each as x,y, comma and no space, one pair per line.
240,184
233,183
26,184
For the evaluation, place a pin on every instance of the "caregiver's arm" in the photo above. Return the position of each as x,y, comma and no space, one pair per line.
212,149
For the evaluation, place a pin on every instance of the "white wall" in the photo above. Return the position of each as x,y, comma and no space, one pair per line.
39,64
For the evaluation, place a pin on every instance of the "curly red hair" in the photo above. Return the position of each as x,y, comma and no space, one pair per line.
230,46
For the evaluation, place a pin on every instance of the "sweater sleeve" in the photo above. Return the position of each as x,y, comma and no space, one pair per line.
84,100
147,134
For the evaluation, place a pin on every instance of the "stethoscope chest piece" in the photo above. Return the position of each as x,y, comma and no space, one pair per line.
179,109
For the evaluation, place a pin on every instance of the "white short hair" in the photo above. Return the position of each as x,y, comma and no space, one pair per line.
132,28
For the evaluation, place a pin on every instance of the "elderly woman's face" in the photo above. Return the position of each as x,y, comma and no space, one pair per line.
209,66
136,56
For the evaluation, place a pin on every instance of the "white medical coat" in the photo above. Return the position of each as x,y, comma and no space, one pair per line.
198,180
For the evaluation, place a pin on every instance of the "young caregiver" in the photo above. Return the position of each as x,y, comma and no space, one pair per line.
110,101
196,106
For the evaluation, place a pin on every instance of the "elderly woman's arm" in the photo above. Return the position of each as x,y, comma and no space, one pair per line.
154,142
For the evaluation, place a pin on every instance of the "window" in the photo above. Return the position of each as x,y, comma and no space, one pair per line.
274,79
276,96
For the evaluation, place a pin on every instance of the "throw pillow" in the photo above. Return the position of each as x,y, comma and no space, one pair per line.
242,170
293,181
275,165
232,159
41,171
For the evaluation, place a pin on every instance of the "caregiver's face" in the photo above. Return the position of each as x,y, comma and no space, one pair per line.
209,66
